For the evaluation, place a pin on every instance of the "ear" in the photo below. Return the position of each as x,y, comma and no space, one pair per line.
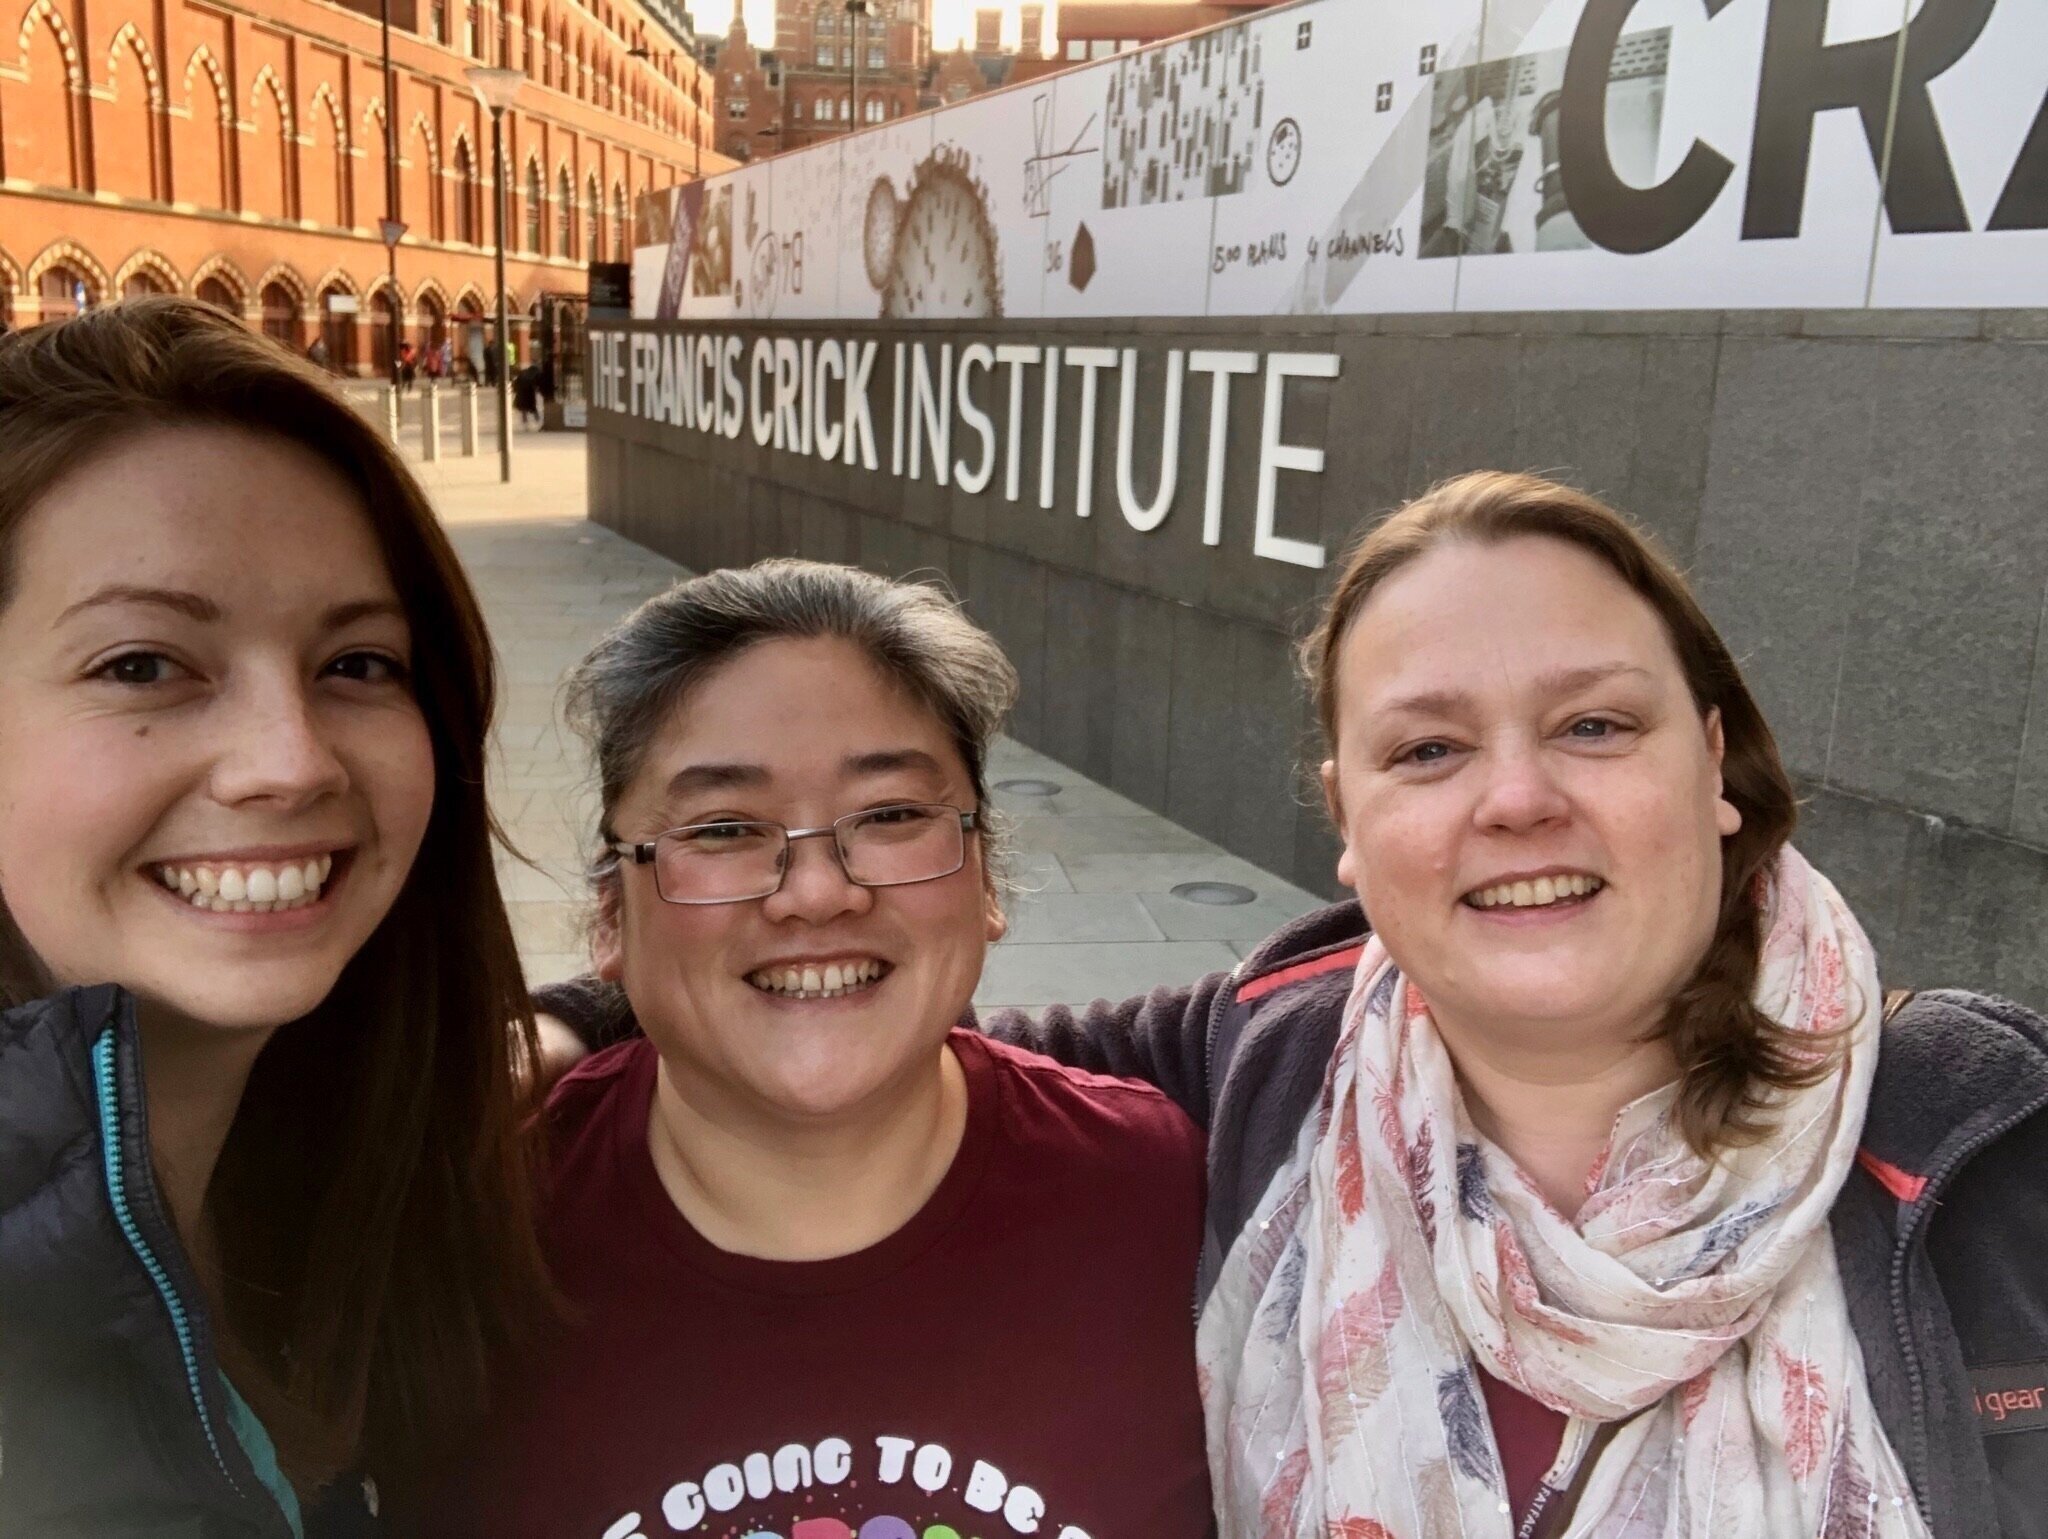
607,945
996,922
1727,816
1333,803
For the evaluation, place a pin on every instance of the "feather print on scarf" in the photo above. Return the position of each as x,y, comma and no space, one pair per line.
1692,1304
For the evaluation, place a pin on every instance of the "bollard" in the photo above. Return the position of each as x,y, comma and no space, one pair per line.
430,422
389,394
472,429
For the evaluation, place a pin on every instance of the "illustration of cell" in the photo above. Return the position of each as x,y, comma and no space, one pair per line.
878,231
1081,261
1283,152
945,257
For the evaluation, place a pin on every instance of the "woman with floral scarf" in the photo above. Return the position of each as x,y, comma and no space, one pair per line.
1588,1193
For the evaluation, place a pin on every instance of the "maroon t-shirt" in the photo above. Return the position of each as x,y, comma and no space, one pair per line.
1018,1358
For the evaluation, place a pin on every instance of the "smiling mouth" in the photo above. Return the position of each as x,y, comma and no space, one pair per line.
1542,892
835,980
250,886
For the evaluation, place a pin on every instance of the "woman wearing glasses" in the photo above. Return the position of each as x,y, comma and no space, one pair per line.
834,1261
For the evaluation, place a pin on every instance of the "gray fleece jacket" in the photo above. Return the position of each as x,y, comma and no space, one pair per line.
1941,1233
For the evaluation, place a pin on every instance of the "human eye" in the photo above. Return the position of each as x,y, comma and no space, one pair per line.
1595,729
367,666
901,816
137,668
725,834
1429,753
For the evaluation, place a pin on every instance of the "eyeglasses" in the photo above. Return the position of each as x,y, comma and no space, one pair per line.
734,861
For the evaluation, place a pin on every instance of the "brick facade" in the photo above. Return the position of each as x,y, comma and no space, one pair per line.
240,155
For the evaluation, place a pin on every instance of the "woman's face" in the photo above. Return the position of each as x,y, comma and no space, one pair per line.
798,732
213,773
1530,801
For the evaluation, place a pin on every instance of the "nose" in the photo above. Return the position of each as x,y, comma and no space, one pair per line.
272,746
814,887
1520,790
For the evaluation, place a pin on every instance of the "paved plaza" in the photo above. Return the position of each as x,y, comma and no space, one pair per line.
1097,915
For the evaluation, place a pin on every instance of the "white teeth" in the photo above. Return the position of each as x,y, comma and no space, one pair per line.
1539,893
250,889
832,981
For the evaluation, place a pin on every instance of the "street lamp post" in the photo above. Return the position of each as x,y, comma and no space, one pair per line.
390,221
497,89
856,12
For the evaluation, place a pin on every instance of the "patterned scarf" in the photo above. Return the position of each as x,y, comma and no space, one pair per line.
1690,1321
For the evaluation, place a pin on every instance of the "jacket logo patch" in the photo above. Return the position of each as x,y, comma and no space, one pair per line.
2012,1397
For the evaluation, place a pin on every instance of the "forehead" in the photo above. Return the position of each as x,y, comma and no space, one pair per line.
1483,619
799,709
219,510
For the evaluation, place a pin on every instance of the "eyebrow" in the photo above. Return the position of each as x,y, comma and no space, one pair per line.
198,607
1563,681
192,605
860,766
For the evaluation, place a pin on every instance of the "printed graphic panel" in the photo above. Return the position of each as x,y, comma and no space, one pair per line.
1148,136
806,234
986,232
1546,198
1327,219
876,172
1364,156
1983,169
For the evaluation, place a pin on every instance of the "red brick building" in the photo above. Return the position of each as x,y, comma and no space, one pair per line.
891,44
749,84
1096,29
239,153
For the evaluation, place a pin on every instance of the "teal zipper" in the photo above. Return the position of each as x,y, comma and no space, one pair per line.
117,1190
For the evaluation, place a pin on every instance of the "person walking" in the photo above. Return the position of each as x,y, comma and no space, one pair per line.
316,352
526,397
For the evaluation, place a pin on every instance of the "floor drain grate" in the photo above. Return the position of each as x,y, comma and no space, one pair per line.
1215,894
1029,787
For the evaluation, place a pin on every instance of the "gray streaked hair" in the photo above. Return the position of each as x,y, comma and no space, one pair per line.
633,681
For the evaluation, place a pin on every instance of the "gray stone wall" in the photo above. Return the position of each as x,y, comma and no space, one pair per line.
1859,496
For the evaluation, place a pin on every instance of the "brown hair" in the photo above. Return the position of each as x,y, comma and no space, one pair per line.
1730,1054
373,1194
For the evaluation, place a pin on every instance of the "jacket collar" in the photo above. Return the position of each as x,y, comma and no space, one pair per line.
1955,1071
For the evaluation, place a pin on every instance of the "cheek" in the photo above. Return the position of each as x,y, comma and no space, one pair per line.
395,764
1403,843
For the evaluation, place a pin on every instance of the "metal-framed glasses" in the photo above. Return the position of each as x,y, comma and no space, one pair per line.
734,860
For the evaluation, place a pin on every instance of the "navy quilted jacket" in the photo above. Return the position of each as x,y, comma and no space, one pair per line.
115,1420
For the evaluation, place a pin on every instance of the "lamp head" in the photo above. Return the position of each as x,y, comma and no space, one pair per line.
497,89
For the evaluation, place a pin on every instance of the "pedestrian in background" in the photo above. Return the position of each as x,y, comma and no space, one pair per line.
408,367
526,396
316,352
264,1213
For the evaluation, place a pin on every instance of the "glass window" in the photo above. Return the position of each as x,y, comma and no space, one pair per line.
796,109
874,58
824,55
1076,49
1102,48
872,109
736,106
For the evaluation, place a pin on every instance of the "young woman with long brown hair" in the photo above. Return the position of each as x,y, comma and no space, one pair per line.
264,1212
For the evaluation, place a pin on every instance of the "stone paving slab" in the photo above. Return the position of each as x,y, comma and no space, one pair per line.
1094,915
